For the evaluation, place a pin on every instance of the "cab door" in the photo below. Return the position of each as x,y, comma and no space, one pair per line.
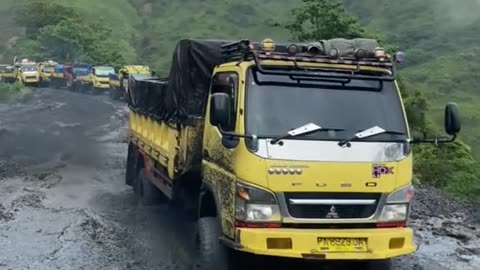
219,151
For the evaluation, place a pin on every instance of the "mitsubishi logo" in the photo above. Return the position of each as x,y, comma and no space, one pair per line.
333,213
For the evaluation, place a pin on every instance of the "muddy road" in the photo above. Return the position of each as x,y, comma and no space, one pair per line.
64,204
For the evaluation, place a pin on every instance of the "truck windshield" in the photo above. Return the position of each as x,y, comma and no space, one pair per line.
277,104
29,68
103,72
80,70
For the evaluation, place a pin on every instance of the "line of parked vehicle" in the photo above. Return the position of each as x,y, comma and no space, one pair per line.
78,77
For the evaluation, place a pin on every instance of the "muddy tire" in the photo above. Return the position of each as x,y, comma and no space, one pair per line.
137,187
111,94
210,253
146,191
114,94
131,170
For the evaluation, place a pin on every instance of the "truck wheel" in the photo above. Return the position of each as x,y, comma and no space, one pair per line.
111,94
148,192
114,94
378,265
210,253
138,186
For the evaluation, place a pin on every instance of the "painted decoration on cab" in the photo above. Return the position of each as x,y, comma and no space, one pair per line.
380,169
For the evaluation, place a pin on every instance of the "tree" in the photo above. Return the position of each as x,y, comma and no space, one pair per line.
63,41
75,40
34,15
58,32
323,19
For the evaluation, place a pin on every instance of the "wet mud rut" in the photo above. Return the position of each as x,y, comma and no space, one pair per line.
64,204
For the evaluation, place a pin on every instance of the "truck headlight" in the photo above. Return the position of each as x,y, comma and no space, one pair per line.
255,205
394,212
397,206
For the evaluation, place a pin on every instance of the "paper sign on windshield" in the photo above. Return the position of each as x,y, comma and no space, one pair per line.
304,129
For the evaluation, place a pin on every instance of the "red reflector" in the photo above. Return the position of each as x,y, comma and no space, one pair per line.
241,224
392,225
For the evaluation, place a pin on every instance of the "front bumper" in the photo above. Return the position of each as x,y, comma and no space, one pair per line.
304,243
102,86
115,84
31,80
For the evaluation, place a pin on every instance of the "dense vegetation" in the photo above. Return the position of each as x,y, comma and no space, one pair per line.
55,31
439,36
9,92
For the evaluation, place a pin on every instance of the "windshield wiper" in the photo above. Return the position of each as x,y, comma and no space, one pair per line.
369,132
303,130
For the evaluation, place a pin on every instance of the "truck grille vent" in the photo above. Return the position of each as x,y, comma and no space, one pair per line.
332,205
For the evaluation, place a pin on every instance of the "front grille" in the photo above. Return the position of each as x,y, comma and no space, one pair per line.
318,211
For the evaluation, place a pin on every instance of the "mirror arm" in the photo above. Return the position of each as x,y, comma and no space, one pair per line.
231,134
435,141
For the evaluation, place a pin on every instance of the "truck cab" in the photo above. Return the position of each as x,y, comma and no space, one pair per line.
46,70
2,70
27,73
100,77
57,78
119,82
299,151
77,76
8,74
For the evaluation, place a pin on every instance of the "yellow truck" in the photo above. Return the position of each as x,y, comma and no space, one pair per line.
296,151
8,74
99,78
57,78
119,83
27,73
4,72
83,77
46,71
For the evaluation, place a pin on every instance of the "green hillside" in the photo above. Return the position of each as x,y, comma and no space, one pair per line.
443,47
441,38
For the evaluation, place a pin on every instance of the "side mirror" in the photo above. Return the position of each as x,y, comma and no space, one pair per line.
220,110
452,119
153,73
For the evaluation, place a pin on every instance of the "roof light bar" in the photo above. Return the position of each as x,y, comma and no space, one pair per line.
359,54
314,49
292,49
268,46
333,53
380,53
244,50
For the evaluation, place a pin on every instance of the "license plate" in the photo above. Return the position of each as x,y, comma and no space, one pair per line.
342,244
